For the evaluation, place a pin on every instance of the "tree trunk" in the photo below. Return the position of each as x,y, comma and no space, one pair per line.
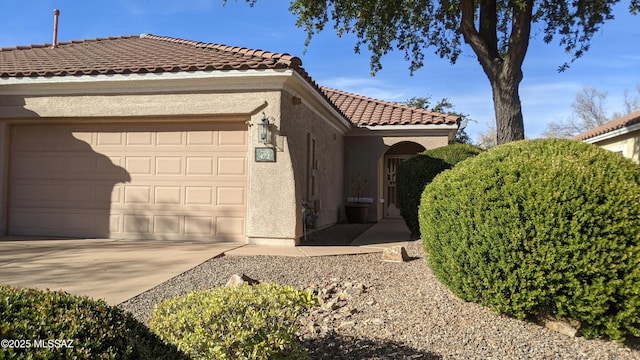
504,70
507,106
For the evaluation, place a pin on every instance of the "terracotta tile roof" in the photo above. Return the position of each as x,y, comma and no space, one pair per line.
134,54
365,111
155,54
619,123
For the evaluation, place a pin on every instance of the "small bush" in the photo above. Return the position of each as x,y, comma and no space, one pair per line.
415,173
97,330
244,322
541,226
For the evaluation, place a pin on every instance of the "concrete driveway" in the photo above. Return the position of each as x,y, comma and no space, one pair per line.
109,269
117,270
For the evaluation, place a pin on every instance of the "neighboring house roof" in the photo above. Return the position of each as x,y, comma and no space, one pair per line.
365,111
619,123
156,54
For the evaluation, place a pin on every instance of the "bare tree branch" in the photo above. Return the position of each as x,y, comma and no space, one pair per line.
488,139
631,104
589,111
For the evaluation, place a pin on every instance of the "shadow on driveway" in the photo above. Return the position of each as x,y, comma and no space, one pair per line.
108,269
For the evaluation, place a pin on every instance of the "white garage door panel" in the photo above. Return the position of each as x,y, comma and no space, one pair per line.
171,181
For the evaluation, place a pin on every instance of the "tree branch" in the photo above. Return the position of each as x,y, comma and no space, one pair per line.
520,33
488,25
473,38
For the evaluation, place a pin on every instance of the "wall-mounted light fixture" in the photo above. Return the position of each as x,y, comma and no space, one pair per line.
264,130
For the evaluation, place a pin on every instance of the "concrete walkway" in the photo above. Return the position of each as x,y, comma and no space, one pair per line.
119,270
384,234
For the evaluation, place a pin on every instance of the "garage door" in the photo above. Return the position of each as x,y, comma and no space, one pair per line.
135,181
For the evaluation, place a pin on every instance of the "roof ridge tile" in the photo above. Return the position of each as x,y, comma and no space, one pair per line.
62,43
293,61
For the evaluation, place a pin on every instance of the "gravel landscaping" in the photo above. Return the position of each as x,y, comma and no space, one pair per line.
383,310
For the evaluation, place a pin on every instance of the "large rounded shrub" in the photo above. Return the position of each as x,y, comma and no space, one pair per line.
541,226
56,325
415,173
243,322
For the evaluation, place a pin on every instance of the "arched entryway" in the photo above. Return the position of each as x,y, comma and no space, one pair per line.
391,159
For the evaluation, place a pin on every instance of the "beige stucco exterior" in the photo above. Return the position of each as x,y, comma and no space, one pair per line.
626,144
365,151
621,135
317,150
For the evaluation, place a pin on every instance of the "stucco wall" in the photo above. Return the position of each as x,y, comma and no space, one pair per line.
364,155
4,171
272,215
301,124
628,145
275,190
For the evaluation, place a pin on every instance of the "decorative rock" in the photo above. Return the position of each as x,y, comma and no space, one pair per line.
347,311
346,324
335,310
566,327
395,254
435,325
237,280
331,304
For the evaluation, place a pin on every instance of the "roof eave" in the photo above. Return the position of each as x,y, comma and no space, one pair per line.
153,82
612,134
404,130
319,97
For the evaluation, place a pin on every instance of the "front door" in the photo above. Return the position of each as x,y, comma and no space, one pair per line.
391,197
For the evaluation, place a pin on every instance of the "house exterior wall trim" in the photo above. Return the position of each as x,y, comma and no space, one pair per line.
411,127
319,104
168,82
401,131
139,105
612,134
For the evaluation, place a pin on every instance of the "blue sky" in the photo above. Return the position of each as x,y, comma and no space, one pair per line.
612,64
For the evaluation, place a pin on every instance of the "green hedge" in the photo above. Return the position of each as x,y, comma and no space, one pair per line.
415,173
543,225
244,322
96,330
